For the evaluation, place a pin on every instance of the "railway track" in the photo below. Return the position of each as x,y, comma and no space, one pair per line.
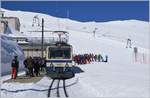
58,87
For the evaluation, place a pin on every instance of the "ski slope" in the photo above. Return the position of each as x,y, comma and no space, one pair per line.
137,31
120,77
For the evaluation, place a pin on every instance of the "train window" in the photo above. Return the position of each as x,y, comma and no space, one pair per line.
61,53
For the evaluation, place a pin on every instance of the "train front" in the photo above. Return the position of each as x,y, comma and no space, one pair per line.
59,57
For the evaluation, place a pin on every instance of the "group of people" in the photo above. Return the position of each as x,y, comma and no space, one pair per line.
88,58
33,66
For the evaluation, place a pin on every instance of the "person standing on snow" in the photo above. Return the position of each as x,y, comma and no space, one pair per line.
100,58
15,66
30,66
135,53
26,68
106,60
95,57
37,64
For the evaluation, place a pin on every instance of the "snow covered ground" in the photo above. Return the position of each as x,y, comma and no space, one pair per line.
120,77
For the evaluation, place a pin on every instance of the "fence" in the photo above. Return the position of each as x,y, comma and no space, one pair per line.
141,57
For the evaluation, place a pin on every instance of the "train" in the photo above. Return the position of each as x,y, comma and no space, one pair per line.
59,56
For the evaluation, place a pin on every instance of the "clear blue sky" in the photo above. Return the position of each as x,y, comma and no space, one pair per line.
85,11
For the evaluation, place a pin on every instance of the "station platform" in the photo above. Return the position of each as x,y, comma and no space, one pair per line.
26,79
49,73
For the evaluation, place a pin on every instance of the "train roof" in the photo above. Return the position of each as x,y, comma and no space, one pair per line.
60,44
60,31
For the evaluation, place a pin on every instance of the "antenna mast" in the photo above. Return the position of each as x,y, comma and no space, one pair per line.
42,42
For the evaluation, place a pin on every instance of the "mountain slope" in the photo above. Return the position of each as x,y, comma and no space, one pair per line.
137,31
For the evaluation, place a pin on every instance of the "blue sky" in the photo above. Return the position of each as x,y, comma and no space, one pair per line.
85,10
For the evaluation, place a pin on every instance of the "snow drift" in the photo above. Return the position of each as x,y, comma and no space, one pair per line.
8,50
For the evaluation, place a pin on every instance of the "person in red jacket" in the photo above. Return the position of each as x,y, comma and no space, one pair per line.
14,65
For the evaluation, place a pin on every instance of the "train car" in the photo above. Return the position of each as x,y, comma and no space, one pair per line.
59,64
59,56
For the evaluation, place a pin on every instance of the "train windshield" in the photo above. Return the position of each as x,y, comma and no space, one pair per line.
59,53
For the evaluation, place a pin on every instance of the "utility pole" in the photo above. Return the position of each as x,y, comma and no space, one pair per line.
42,44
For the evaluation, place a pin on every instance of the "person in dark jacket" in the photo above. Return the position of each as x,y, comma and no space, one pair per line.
15,66
43,64
100,58
30,66
26,67
36,64
106,60
95,57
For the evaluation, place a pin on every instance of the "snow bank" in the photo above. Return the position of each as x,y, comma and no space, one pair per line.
8,50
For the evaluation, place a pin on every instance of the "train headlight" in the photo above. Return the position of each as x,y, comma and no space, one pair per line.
67,65
51,64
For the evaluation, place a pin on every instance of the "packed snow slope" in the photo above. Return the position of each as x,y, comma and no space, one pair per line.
121,76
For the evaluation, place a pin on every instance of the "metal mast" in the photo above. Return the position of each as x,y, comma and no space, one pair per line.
42,42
